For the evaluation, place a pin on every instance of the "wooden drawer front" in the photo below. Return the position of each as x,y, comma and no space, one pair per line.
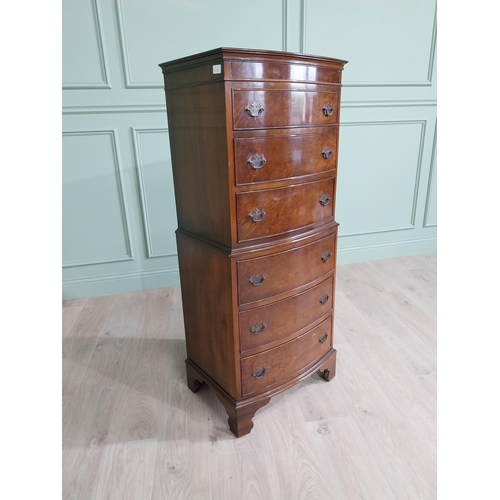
260,371
282,71
264,277
270,324
270,212
273,158
283,108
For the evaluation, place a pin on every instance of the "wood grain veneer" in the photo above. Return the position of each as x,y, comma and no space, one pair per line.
284,157
286,270
264,327
284,108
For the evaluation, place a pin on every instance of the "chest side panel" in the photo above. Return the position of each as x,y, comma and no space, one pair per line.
206,286
196,120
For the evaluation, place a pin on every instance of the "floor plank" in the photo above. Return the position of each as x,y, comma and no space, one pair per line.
182,457
241,474
390,437
394,378
88,419
296,469
346,453
126,471
416,352
69,317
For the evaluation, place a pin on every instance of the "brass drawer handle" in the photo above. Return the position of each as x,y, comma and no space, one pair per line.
258,328
324,200
254,109
257,280
256,161
259,373
326,256
257,215
328,109
324,299
323,338
327,153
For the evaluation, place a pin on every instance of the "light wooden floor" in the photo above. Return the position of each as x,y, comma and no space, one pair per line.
133,430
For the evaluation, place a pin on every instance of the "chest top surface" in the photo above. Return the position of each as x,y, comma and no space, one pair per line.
250,64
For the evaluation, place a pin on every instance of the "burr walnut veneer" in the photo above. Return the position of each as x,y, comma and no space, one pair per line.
254,141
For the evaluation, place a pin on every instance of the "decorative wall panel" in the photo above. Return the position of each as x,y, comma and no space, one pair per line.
378,183
389,43
84,57
154,171
199,24
430,216
95,226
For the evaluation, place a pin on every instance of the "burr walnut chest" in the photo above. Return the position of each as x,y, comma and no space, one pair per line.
254,141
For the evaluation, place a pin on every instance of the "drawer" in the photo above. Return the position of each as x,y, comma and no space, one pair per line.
270,212
261,371
278,321
264,159
249,70
264,277
283,108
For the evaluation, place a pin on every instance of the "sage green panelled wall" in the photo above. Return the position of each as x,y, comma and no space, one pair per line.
118,204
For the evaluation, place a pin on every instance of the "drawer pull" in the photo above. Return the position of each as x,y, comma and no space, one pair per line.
323,338
328,109
256,161
326,256
258,328
259,373
254,109
327,153
257,280
324,200
258,214
324,299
